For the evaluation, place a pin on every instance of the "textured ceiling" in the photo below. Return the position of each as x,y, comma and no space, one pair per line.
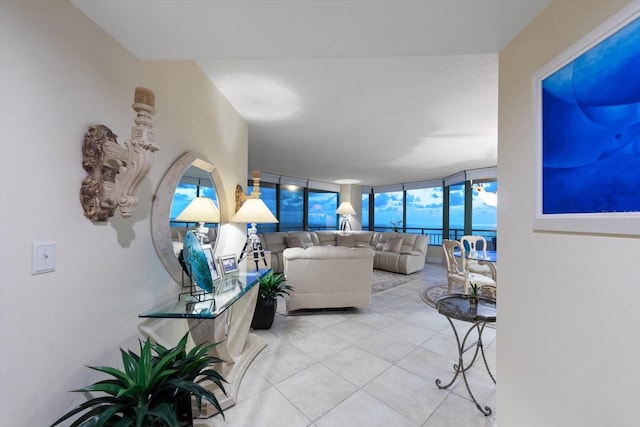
385,92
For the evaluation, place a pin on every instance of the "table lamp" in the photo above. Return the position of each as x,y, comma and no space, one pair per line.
201,210
254,211
345,209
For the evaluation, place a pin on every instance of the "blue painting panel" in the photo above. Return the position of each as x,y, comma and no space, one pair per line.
198,263
591,129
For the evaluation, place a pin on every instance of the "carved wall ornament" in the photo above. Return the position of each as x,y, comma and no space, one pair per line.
241,196
114,172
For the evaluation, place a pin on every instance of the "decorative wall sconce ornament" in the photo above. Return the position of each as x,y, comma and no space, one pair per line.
241,196
115,172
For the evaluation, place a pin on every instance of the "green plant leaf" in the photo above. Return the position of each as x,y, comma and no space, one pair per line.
141,415
145,365
134,393
118,374
129,362
166,413
112,387
84,406
105,416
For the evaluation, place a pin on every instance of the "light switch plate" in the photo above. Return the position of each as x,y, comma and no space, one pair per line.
44,257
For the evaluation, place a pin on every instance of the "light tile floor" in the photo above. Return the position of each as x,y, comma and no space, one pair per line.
373,367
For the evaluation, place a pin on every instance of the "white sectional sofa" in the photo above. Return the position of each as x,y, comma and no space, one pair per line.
396,252
328,277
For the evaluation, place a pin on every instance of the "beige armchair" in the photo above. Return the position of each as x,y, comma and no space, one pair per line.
328,276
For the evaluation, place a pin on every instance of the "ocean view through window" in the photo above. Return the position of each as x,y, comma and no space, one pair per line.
417,210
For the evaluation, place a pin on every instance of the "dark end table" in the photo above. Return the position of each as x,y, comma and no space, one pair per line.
460,307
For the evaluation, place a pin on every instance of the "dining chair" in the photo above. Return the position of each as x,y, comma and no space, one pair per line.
477,245
457,271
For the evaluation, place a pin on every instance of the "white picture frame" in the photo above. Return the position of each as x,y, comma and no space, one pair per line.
228,264
208,252
603,221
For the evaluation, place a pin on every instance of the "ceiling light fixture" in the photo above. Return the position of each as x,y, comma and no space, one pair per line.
258,98
347,181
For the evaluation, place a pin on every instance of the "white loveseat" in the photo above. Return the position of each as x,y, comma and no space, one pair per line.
328,277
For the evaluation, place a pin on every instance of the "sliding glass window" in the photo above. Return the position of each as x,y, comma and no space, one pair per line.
388,211
424,213
456,211
291,208
321,211
484,211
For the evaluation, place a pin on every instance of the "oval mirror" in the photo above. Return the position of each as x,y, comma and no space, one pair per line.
191,176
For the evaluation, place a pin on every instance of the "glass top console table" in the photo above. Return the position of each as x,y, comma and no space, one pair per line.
223,317
483,311
228,290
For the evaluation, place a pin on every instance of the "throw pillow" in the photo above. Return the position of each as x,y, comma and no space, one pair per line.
393,245
294,242
297,242
345,240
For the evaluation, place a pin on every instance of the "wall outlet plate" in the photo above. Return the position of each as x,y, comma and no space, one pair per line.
44,257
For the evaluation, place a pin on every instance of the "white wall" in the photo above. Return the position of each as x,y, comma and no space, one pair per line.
60,73
569,316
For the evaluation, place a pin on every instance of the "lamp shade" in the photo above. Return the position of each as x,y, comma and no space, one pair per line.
254,211
201,209
345,208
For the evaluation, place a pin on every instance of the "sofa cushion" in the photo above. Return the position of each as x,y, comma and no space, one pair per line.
393,245
301,239
406,249
274,242
326,238
345,240
297,242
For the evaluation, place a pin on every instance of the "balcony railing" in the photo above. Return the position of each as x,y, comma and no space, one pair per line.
435,234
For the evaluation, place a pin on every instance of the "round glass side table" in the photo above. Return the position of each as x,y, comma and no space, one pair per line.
461,307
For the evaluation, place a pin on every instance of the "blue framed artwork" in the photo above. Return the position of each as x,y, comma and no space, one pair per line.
588,159
201,265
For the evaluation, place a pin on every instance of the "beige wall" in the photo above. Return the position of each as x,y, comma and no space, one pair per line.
568,303
60,73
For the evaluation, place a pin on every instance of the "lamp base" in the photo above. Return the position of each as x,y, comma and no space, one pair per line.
253,245
344,223
202,233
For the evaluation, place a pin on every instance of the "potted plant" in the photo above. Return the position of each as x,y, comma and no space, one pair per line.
153,390
270,288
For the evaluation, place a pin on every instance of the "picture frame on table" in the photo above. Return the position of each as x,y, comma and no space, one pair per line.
228,264
588,132
208,253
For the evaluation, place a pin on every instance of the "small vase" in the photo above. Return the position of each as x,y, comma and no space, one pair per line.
473,302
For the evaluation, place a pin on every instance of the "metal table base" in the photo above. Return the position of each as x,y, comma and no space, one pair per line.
468,313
